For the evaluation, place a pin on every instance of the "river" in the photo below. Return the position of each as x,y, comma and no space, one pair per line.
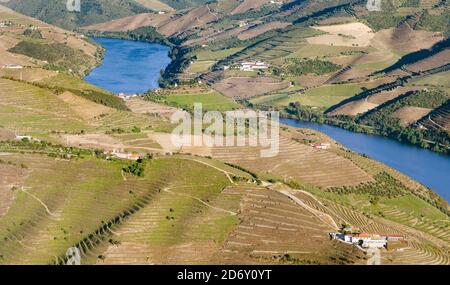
429,168
129,66
134,67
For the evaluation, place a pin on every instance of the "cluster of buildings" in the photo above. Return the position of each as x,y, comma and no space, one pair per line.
248,66
366,240
253,65
123,155
126,97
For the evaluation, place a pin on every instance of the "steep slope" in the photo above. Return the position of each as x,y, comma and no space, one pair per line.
185,4
31,43
92,11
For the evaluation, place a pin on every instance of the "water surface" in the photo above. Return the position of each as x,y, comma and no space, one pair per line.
129,67
430,168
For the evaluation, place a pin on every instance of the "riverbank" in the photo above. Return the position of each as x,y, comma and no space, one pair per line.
427,167
409,135
177,52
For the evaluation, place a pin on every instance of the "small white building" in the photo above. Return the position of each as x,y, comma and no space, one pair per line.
366,240
253,65
20,138
276,2
126,97
124,155
242,24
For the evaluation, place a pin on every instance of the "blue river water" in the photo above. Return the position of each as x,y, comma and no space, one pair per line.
430,168
129,66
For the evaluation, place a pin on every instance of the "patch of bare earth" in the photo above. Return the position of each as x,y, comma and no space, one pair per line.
312,80
155,5
405,39
6,135
351,34
371,102
28,74
247,87
84,108
137,105
170,144
354,108
217,36
195,18
248,5
409,115
106,142
133,22
437,60
6,57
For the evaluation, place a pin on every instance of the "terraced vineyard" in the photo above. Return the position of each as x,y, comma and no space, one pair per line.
297,162
437,228
439,119
273,227
416,248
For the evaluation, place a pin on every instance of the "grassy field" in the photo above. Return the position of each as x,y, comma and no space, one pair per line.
82,88
35,111
200,66
324,96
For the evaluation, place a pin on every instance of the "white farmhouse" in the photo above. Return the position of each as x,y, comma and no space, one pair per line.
253,65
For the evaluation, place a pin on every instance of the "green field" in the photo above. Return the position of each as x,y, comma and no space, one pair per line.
200,66
35,111
64,82
324,96
212,101
216,55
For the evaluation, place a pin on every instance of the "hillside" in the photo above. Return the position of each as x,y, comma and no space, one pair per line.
92,11
31,43
184,4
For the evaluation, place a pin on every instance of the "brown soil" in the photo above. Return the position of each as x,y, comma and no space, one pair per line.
409,115
248,5
133,22
247,87
261,29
